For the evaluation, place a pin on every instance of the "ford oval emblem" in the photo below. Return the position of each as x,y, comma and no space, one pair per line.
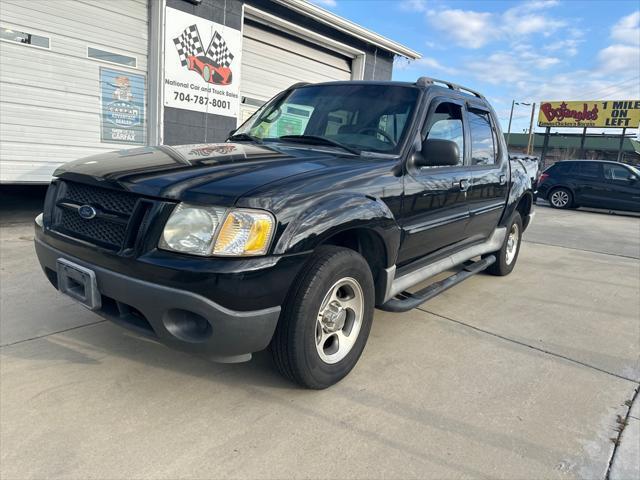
87,212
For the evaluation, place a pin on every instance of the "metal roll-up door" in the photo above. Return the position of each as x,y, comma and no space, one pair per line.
50,96
272,62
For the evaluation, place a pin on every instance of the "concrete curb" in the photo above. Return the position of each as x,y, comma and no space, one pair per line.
625,462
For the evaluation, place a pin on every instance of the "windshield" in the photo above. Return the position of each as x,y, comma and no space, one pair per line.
358,116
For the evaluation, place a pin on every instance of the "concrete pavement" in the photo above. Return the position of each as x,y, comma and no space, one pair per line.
515,377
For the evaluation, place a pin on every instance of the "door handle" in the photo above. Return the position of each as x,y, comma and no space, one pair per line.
464,185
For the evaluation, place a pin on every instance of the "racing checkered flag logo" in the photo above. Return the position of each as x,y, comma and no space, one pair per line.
188,44
218,51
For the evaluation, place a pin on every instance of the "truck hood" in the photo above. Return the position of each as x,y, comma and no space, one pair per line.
202,173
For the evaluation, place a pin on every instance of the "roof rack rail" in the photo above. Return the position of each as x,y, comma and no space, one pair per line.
425,81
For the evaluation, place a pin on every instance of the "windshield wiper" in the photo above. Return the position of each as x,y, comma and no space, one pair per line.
315,139
244,136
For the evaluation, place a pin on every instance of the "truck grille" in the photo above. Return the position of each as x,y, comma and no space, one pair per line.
109,200
117,218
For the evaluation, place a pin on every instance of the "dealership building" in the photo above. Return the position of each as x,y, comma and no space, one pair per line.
78,77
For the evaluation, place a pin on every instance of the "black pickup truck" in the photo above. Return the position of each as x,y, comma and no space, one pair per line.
331,200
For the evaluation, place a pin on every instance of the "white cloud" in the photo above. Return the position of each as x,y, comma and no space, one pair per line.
467,28
619,58
326,3
569,45
473,29
503,68
623,56
427,63
525,19
627,29
414,5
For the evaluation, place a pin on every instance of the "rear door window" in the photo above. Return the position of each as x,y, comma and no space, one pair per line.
590,170
483,148
563,168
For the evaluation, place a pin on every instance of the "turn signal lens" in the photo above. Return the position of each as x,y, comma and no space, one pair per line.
245,233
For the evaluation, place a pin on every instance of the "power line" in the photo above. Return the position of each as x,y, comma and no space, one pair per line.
593,92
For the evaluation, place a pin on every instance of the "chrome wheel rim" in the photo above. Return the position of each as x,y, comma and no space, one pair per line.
339,320
560,198
512,243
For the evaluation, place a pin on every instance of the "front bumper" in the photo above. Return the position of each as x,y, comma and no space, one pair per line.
176,317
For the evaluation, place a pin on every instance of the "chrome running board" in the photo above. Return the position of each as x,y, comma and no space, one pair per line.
400,284
406,301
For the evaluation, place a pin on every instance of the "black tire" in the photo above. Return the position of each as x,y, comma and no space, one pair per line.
561,198
294,345
504,263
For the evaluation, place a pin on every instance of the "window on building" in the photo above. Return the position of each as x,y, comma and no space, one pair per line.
616,172
446,124
111,57
23,37
483,150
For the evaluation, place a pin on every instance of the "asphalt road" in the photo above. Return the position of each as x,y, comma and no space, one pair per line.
514,377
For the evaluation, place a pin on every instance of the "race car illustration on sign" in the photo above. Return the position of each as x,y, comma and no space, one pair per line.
213,64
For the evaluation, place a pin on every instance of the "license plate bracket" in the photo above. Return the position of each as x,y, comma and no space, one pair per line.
79,283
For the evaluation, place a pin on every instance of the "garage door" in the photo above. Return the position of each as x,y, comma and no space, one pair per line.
51,53
272,62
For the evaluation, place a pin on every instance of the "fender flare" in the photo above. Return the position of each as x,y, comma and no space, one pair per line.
520,188
335,214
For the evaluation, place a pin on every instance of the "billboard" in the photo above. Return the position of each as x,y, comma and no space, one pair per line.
201,64
594,113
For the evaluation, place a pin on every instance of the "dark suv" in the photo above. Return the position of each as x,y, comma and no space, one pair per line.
591,183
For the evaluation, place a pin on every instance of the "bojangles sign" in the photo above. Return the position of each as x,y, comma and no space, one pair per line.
601,114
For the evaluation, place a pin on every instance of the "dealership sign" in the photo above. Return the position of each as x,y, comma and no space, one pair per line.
600,114
201,64
122,102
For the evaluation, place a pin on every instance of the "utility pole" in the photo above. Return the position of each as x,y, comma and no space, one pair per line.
624,131
530,142
513,102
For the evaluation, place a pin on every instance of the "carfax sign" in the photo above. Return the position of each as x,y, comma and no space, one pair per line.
600,114
122,107
201,64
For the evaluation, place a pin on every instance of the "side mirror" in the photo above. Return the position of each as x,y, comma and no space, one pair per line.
633,178
438,152
232,132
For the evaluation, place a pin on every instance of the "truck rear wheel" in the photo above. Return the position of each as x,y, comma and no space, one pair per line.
507,256
326,319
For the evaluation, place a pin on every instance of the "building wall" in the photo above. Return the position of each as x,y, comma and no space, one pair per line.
567,147
185,126
50,97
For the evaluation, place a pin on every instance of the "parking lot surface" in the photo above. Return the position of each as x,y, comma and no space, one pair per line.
514,377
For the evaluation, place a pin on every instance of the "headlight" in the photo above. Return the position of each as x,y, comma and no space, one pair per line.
191,229
215,231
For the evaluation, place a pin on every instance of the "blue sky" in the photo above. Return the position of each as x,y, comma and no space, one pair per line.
523,50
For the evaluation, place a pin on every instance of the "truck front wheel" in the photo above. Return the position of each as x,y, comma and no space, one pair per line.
326,319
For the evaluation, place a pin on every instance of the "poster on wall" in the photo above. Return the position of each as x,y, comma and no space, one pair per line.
201,64
122,106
